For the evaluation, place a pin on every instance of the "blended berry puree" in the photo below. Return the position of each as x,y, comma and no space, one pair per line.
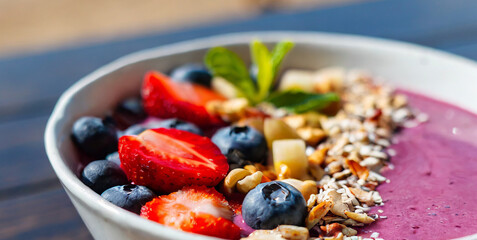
432,193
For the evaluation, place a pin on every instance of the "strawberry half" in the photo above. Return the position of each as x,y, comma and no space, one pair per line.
164,98
195,209
168,159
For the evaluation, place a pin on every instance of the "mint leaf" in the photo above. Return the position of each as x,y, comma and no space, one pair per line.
262,59
299,102
279,53
228,65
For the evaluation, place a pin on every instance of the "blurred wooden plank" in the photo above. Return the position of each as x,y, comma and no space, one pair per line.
43,77
65,22
24,160
47,215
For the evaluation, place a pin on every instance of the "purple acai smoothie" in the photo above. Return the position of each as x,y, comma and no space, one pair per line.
433,186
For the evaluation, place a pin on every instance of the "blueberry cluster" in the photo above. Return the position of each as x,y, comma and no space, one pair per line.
97,138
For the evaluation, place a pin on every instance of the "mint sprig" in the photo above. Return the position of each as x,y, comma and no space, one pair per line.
228,65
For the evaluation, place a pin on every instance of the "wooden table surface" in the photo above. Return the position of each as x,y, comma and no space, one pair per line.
33,204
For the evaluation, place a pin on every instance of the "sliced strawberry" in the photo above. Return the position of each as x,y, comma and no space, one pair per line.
167,99
168,159
195,209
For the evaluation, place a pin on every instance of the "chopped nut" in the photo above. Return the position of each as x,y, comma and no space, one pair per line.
307,188
333,229
353,223
339,208
213,107
295,121
317,212
330,159
363,196
318,157
329,79
311,201
377,198
231,110
265,235
293,232
233,177
332,219
341,175
313,119
371,185
337,237
349,231
234,109
374,176
360,217
249,182
224,87
316,171
250,168
357,170
282,232
334,167
399,101
311,135
371,163
270,174
378,154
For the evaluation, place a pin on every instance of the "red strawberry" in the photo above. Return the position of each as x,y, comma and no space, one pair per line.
167,99
195,209
168,159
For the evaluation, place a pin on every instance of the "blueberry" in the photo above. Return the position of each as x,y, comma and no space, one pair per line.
129,112
94,137
272,204
114,157
130,197
134,130
178,124
194,73
241,145
103,174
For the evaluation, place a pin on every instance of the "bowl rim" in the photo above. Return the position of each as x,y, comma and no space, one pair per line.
93,201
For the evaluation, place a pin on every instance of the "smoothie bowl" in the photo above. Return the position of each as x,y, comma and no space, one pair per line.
272,135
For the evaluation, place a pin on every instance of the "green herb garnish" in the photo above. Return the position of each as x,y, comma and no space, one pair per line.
228,65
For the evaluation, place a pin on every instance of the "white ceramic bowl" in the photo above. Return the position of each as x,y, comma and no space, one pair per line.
433,73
